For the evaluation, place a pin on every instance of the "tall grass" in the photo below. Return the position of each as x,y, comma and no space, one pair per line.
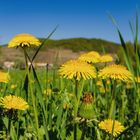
54,102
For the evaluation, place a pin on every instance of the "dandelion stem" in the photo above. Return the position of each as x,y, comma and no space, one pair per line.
9,129
31,91
47,72
83,132
112,107
75,109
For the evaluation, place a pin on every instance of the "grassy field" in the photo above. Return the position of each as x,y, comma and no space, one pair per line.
51,107
91,98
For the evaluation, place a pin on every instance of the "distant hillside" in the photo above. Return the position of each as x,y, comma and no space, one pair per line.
83,44
65,49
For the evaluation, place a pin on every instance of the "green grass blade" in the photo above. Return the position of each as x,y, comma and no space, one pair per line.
43,43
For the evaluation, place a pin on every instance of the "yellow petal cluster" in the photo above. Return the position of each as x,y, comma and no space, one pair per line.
14,102
13,86
90,57
116,72
48,92
77,69
4,77
24,40
107,126
137,79
106,58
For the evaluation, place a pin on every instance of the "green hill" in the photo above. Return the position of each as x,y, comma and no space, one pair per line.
83,44
65,48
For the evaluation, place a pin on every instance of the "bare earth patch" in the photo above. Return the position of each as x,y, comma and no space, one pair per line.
50,56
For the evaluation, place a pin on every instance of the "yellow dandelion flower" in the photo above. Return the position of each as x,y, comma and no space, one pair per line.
99,83
106,58
22,40
137,79
49,80
71,95
102,90
14,102
108,82
91,57
1,90
47,92
66,105
13,86
4,77
129,85
116,72
107,126
77,69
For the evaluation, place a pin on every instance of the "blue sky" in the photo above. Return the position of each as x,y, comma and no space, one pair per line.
76,18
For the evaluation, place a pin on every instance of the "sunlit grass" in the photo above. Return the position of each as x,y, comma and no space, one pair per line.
72,101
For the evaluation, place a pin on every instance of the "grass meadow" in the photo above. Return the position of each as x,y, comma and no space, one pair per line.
92,98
